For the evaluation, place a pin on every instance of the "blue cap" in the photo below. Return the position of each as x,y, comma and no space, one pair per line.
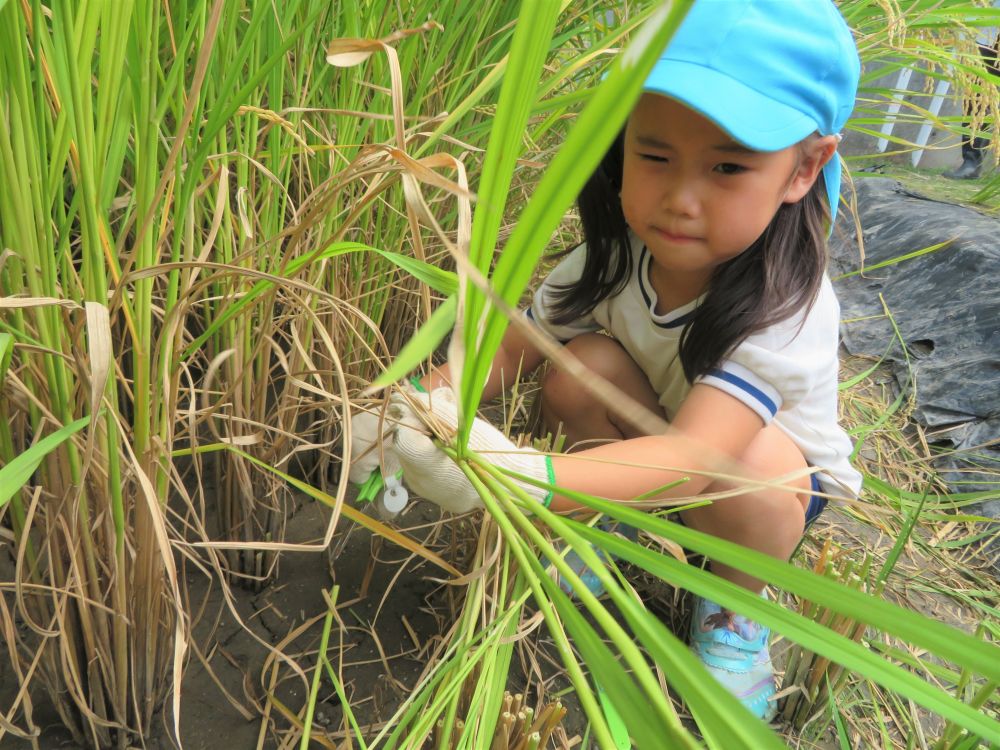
768,72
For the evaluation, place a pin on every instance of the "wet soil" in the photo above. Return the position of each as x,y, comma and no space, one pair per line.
394,614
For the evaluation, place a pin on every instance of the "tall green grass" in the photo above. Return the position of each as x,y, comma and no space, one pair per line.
171,157
181,167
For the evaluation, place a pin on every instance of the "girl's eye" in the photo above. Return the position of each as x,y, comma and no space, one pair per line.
728,168
654,158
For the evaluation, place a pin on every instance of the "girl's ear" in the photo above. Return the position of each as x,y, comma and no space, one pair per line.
815,153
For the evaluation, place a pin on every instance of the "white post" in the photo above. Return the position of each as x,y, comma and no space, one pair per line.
925,130
902,87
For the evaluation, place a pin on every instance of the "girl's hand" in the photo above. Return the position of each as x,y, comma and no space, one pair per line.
431,473
368,446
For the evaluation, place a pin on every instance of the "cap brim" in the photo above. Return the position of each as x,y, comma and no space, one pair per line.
756,121
749,117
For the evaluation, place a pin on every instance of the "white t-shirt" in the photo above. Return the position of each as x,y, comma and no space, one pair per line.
786,373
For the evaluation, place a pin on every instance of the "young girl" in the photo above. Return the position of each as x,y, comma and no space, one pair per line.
704,261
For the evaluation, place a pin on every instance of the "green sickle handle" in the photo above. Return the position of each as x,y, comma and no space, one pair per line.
395,497
371,487
619,732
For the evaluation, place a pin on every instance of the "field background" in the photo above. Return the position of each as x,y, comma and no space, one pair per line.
219,223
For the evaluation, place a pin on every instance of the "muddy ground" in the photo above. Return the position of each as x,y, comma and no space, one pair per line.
395,616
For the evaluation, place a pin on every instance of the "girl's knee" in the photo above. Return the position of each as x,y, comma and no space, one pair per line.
600,354
764,516
760,520
774,454
604,357
568,406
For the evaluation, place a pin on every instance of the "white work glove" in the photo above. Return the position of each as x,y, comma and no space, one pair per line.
430,473
368,448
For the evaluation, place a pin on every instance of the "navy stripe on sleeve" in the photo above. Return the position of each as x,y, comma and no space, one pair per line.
749,388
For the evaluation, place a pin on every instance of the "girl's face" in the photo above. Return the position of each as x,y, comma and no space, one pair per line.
697,198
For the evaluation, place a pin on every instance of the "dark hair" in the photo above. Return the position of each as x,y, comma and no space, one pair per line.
776,277
608,265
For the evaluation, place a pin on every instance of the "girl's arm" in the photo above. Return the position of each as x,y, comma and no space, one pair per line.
517,356
711,431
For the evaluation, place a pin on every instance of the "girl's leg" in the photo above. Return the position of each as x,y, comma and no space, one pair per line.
582,417
732,647
583,420
768,520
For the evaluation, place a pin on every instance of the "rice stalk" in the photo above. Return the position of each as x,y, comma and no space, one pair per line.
816,680
848,648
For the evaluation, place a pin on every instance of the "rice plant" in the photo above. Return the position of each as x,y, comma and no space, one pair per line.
166,180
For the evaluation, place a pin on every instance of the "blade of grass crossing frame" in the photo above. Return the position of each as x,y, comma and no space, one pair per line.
424,341
941,639
532,36
16,474
800,629
585,144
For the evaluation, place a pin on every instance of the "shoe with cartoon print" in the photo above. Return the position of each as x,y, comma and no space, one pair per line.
734,649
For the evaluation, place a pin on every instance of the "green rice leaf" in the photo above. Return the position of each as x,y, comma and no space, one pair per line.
6,352
16,474
532,35
810,634
424,341
898,259
438,279
580,154
838,718
943,640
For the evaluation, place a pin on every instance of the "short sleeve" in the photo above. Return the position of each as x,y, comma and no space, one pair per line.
778,367
540,312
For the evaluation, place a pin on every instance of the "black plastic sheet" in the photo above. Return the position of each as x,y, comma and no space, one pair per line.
946,305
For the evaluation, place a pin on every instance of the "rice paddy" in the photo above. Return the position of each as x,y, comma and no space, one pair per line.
220,224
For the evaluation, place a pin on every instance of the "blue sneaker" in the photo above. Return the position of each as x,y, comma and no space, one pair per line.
734,649
589,578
